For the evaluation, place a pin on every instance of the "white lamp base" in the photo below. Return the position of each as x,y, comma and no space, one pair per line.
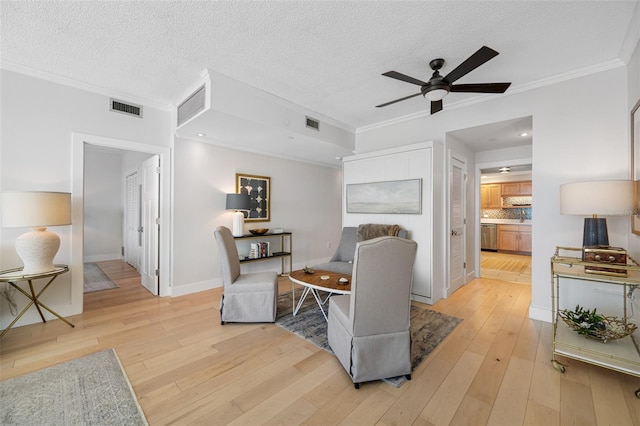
37,248
238,224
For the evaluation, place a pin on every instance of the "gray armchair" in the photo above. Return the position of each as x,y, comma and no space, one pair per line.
342,260
368,330
249,297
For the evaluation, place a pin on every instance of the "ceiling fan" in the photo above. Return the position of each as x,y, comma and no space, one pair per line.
438,87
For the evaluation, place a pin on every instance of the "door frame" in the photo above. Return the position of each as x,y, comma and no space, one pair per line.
77,213
477,209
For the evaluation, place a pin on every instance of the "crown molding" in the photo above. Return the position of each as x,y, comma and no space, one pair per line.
558,78
53,78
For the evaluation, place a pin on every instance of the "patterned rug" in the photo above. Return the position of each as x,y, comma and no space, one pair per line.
92,390
95,279
428,328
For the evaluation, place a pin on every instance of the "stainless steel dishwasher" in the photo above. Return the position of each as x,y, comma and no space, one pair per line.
488,236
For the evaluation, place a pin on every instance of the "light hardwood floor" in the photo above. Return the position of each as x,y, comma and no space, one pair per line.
188,369
504,266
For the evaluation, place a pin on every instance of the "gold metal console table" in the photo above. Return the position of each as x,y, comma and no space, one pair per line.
13,276
622,355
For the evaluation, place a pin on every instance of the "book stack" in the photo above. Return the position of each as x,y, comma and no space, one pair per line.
259,249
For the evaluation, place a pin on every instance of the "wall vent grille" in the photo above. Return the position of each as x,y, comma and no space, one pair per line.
191,106
125,108
312,123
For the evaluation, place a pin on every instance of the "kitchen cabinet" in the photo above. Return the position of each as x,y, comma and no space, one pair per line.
516,189
491,196
515,238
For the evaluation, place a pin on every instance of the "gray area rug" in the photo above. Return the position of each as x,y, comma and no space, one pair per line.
95,279
92,390
428,328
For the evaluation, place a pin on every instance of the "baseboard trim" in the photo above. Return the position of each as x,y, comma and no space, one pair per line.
540,314
183,290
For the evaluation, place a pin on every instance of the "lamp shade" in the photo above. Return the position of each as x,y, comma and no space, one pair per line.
238,202
35,209
603,198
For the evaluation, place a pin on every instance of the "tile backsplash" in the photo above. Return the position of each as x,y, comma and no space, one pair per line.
506,213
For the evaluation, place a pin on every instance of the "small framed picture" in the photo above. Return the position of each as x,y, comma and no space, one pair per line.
259,189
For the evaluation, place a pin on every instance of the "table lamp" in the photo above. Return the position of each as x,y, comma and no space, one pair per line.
605,198
238,202
36,210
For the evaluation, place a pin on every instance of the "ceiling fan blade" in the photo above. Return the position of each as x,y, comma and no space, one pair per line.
436,106
480,88
483,55
402,77
398,100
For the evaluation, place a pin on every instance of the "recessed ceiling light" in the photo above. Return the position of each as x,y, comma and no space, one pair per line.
202,135
523,134
505,169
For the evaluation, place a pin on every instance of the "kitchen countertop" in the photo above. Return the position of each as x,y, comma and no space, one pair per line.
506,221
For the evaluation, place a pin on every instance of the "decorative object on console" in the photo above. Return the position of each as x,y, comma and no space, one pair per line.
259,231
258,188
37,210
395,197
595,326
607,255
605,198
239,203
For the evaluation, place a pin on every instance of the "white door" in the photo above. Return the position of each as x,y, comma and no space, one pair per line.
457,194
150,203
132,237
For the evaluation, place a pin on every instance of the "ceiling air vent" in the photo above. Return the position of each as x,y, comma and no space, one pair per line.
191,106
312,123
126,108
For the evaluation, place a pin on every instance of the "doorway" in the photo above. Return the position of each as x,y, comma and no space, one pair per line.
80,141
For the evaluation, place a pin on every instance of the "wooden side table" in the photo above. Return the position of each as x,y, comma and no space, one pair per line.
13,276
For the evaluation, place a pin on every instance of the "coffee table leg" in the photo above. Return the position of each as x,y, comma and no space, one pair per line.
302,297
320,303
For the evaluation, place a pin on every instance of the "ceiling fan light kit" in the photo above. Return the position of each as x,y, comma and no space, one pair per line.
438,87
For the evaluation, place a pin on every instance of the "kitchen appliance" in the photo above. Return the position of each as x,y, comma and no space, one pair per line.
489,236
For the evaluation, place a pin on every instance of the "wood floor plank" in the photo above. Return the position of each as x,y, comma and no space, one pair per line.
186,368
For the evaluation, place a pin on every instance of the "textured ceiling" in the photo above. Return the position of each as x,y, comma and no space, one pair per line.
327,56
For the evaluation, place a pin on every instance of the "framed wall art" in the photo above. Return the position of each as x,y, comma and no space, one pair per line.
635,161
393,197
259,189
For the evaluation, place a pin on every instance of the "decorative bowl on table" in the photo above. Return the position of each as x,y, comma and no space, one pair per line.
596,326
259,231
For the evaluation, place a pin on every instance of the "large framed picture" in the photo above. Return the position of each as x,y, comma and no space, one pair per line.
259,189
635,162
391,197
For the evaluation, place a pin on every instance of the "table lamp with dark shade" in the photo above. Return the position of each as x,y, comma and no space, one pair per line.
239,203
593,199
36,210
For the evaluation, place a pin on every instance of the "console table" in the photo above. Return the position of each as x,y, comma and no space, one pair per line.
13,276
285,248
621,355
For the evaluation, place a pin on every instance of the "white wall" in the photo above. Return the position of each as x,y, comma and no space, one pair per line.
634,97
103,205
305,200
577,135
36,125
